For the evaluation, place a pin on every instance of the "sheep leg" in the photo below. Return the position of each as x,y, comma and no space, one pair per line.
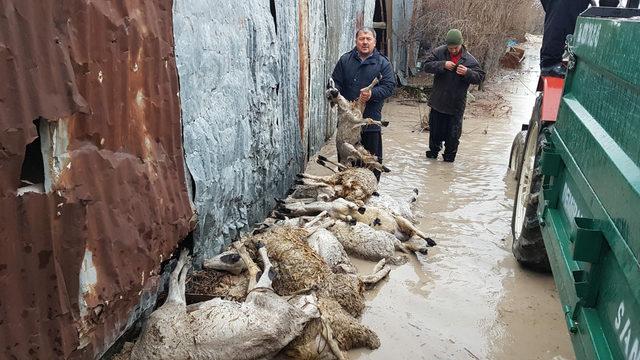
324,164
327,333
380,271
400,246
406,227
369,87
340,166
267,274
416,247
178,278
325,180
316,219
251,266
360,152
301,209
370,121
292,201
323,225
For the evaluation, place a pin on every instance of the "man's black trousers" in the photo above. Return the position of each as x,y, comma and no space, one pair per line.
444,128
372,141
559,21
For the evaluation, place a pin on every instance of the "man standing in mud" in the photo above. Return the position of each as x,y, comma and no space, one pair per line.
455,69
354,71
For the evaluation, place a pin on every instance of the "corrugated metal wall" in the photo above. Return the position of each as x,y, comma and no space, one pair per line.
80,252
404,52
253,104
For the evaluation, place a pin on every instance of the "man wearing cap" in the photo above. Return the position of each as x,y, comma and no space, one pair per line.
455,69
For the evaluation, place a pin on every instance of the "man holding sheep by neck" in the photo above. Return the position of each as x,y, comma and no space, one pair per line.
454,69
354,71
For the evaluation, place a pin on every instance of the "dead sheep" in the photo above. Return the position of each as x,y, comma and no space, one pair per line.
376,218
381,219
350,120
324,242
397,207
340,296
364,242
354,184
257,328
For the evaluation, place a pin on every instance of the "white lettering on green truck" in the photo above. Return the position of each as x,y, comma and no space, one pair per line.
630,344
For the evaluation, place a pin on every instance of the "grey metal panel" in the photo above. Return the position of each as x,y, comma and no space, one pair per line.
401,23
241,137
319,129
342,20
288,25
369,9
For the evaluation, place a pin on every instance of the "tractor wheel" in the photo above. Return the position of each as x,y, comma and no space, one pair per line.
528,245
517,149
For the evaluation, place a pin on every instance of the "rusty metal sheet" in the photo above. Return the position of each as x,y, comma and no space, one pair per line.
242,145
82,250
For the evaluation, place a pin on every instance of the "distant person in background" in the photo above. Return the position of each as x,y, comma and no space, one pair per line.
455,69
559,21
356,70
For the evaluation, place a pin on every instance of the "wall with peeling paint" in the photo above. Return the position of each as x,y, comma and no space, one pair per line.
253,105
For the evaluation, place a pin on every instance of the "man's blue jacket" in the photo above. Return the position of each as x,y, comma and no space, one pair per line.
352,74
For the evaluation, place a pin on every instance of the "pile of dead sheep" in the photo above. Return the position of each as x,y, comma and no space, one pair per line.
306,300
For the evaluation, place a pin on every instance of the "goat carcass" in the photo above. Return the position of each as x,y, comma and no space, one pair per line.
219,329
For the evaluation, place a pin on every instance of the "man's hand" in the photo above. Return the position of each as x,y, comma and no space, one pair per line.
461,70
449,65
365,95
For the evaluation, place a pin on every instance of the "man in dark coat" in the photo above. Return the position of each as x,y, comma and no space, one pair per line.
354,71
455,69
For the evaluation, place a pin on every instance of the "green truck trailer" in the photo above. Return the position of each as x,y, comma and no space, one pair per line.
577,204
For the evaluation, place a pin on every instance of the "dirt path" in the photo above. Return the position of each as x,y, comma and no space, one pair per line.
468,298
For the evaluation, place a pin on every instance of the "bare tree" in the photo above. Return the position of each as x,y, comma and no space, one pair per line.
486,24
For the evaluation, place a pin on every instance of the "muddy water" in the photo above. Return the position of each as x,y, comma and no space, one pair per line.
468,298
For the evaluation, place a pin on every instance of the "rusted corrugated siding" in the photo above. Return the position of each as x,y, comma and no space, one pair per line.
77,258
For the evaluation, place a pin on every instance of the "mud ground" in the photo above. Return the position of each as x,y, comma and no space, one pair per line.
468,298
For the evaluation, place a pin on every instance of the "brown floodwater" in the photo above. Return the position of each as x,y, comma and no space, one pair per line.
468,298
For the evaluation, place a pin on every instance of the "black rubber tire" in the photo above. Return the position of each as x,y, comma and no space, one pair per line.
517,152
528,248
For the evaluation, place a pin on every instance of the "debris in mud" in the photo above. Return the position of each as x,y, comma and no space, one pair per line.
489,103
424,121
512,58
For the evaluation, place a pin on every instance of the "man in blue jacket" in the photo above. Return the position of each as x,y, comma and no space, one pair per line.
455,69
354,71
